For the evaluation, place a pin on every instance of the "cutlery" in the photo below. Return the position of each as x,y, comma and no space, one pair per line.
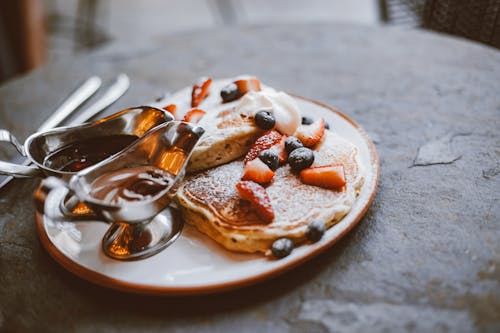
85,91
80,95
117,89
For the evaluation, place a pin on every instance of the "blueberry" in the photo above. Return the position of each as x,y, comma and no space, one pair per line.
307,121
270,158
327,125
292,143
282,247
229,93
315,230
301,158
264,120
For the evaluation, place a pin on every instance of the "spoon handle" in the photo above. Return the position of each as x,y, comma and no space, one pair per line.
80,95
117,89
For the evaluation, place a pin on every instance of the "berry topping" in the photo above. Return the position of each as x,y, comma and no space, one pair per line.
282,247
270,158
264,120
327,125
172,108
257,171
307,121
311,134
266,141
229,93
200,92
258,198
279,149
328,176
315,230
194,115
301,158
246,85
238,88
292,143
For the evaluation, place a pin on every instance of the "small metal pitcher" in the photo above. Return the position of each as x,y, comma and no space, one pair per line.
140,227
133,121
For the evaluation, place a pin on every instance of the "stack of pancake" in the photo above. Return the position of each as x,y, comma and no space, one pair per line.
209,199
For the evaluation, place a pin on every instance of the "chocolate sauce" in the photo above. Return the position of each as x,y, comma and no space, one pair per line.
82,154
131,184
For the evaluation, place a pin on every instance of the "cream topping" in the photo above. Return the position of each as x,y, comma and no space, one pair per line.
281,105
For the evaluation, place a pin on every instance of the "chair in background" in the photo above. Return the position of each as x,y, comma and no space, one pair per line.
81,30
478,20
22,36
28,30
88,33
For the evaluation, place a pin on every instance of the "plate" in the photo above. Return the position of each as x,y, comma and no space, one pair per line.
195,264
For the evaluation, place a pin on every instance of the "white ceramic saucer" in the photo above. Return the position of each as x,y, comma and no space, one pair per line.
195,264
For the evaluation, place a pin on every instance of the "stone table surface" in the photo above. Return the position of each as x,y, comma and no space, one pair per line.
425,258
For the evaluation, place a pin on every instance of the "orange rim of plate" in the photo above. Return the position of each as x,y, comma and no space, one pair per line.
137,288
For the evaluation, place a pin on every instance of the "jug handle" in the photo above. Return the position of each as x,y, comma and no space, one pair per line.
6,136
19,170
13,169
68,205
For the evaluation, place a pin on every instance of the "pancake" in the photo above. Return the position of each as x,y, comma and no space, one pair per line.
229,127
228,136
209,200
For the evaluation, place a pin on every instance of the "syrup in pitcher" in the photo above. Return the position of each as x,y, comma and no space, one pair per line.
80,155
131,184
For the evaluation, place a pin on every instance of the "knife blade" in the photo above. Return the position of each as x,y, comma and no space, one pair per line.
114,92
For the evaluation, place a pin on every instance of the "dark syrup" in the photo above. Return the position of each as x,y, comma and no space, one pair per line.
82,154
131,184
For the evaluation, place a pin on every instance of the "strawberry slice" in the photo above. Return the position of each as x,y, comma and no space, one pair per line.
279,149
311,134
172,108
194,115
266,141
258,198
246,85
200,92
257,171
328,176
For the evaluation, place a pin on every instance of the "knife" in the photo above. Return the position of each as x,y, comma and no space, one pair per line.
114,92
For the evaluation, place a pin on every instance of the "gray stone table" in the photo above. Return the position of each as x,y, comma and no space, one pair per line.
426,257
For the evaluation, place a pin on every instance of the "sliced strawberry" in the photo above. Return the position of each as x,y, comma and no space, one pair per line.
311,134
257,171
172,108
194,115
200,92
266,141
328,176
246,85
258,198
279,149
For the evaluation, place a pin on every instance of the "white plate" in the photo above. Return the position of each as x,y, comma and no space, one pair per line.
195,264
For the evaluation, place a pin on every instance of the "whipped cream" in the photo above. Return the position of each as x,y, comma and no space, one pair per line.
280,104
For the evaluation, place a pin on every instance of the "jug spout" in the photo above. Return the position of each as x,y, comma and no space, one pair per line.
178,142
188,136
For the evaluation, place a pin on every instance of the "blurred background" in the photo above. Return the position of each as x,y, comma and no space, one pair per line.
36,32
